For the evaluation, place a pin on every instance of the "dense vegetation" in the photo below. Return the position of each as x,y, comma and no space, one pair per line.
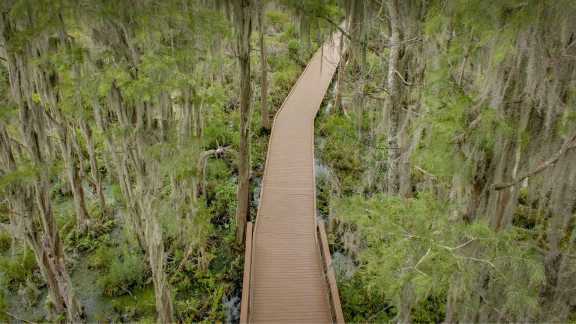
133,136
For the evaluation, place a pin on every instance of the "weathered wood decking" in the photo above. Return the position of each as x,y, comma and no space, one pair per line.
286,273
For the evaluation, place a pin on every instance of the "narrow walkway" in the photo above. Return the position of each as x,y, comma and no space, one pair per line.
287,282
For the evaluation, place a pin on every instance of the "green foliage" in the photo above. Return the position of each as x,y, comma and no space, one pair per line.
43,17
101,258
174,161
116,192
259,145
97,234
5,241
284,79
3,308
361,305
152,53
221,128
139,306
399,233
340,150
221,192
413,242
225,199
25,173
314,9
16,270
446,119
430,310
277,19
122,271
215,268
294,48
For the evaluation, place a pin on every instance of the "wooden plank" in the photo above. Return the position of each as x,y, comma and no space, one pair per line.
246,280
330,275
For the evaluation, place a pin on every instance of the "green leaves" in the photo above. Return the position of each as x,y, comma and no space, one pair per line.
340,150
277,18
26,173
314,8
16,270
123,270
403,240
413,242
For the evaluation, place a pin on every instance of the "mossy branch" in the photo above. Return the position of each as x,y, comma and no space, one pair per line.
567,146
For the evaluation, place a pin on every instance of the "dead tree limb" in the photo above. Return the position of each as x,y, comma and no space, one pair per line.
201,166
568,145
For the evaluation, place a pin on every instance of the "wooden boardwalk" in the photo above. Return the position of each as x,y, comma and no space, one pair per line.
284,267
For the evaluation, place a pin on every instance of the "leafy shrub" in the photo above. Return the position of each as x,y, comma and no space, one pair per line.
413,243
16,270
277,19
361,305
139,306
430,310
101,257
4,210
3,308
294,47
187,308
5,241
97,234
283,80
340,150
220,128
224,203
126,271
217,169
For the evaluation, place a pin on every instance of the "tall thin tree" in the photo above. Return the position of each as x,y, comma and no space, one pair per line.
264,114
392,112
243,26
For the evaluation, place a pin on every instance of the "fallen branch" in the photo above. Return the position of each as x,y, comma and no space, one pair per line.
425,172
402,79
201,166
18,318
568,145
335,25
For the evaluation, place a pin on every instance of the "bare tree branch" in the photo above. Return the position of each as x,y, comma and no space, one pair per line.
568,145
335,25
202,161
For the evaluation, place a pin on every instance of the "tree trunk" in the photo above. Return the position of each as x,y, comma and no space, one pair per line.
87,132
340,78
392,112
185,123
73,176
244,29
198,119
406,303
39,223
404,170
264,114
46,243
357,18
157,260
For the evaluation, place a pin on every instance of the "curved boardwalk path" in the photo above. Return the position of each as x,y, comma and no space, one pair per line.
287,281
